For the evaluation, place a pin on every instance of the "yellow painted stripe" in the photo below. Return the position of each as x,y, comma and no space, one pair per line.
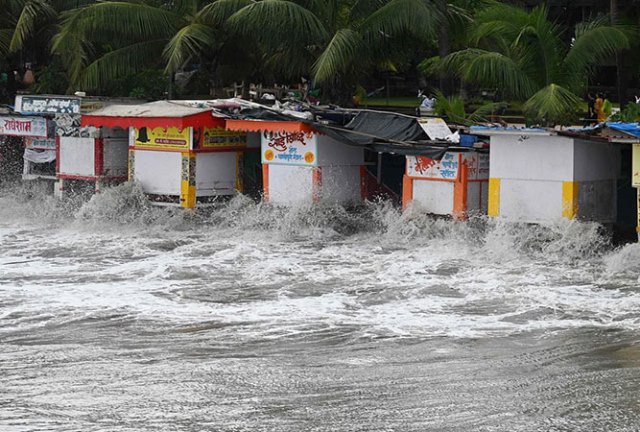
494,197
239,172
188,181
570,199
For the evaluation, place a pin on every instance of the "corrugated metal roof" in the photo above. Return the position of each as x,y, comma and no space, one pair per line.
151,109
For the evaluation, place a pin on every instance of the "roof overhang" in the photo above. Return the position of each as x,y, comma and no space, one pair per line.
195,121
163,114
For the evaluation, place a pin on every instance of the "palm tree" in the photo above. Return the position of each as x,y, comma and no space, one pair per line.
428,22
26,29
523,54
109,40
331,41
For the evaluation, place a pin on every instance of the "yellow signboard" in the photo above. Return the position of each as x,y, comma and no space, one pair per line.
635,166
220,138
170,138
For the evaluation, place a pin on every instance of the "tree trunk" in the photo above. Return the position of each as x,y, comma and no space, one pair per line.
444,47
621,75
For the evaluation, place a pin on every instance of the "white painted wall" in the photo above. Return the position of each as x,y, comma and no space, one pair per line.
531,170
531,157
77,156
434,197
216,174
290,185
530,201
158,172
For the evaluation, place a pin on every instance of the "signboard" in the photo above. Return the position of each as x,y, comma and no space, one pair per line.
295,148
435,128
40,143
47,105
447,168
170,138
23,126
220,138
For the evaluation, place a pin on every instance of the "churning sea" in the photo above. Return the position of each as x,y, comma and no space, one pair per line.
119,316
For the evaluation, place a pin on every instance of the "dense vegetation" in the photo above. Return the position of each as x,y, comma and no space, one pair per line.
146,48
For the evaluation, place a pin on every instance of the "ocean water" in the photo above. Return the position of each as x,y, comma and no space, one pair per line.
119,316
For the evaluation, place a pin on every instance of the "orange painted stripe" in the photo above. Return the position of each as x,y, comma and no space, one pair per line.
316,190
407,191
265,182
460,191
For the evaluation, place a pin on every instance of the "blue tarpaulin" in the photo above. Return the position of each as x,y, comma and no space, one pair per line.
628,128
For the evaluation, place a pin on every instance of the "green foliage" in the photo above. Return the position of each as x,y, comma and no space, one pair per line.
630,114
150,85
524,55
51,79
453,107
552,104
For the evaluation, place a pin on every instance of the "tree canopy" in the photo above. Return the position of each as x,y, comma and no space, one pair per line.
340,45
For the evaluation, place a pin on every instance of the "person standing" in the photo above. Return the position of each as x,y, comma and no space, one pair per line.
599,108
591,111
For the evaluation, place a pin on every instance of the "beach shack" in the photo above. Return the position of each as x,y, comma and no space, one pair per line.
40,144
178,154
625,138
538,176
36,135
456,184
300,165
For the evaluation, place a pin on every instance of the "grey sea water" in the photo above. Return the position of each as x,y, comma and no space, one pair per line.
119,316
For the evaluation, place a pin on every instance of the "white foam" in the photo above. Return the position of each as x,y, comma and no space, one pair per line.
308,269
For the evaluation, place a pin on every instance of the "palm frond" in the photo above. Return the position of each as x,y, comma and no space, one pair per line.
415,17
362,9
185,8
73,47
485,111
126,19
327,11
120,63
594,45
277,22
5,40
217,13
33,12
552,104
343,49
489,69
188,42
289,64
499,21
450,106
